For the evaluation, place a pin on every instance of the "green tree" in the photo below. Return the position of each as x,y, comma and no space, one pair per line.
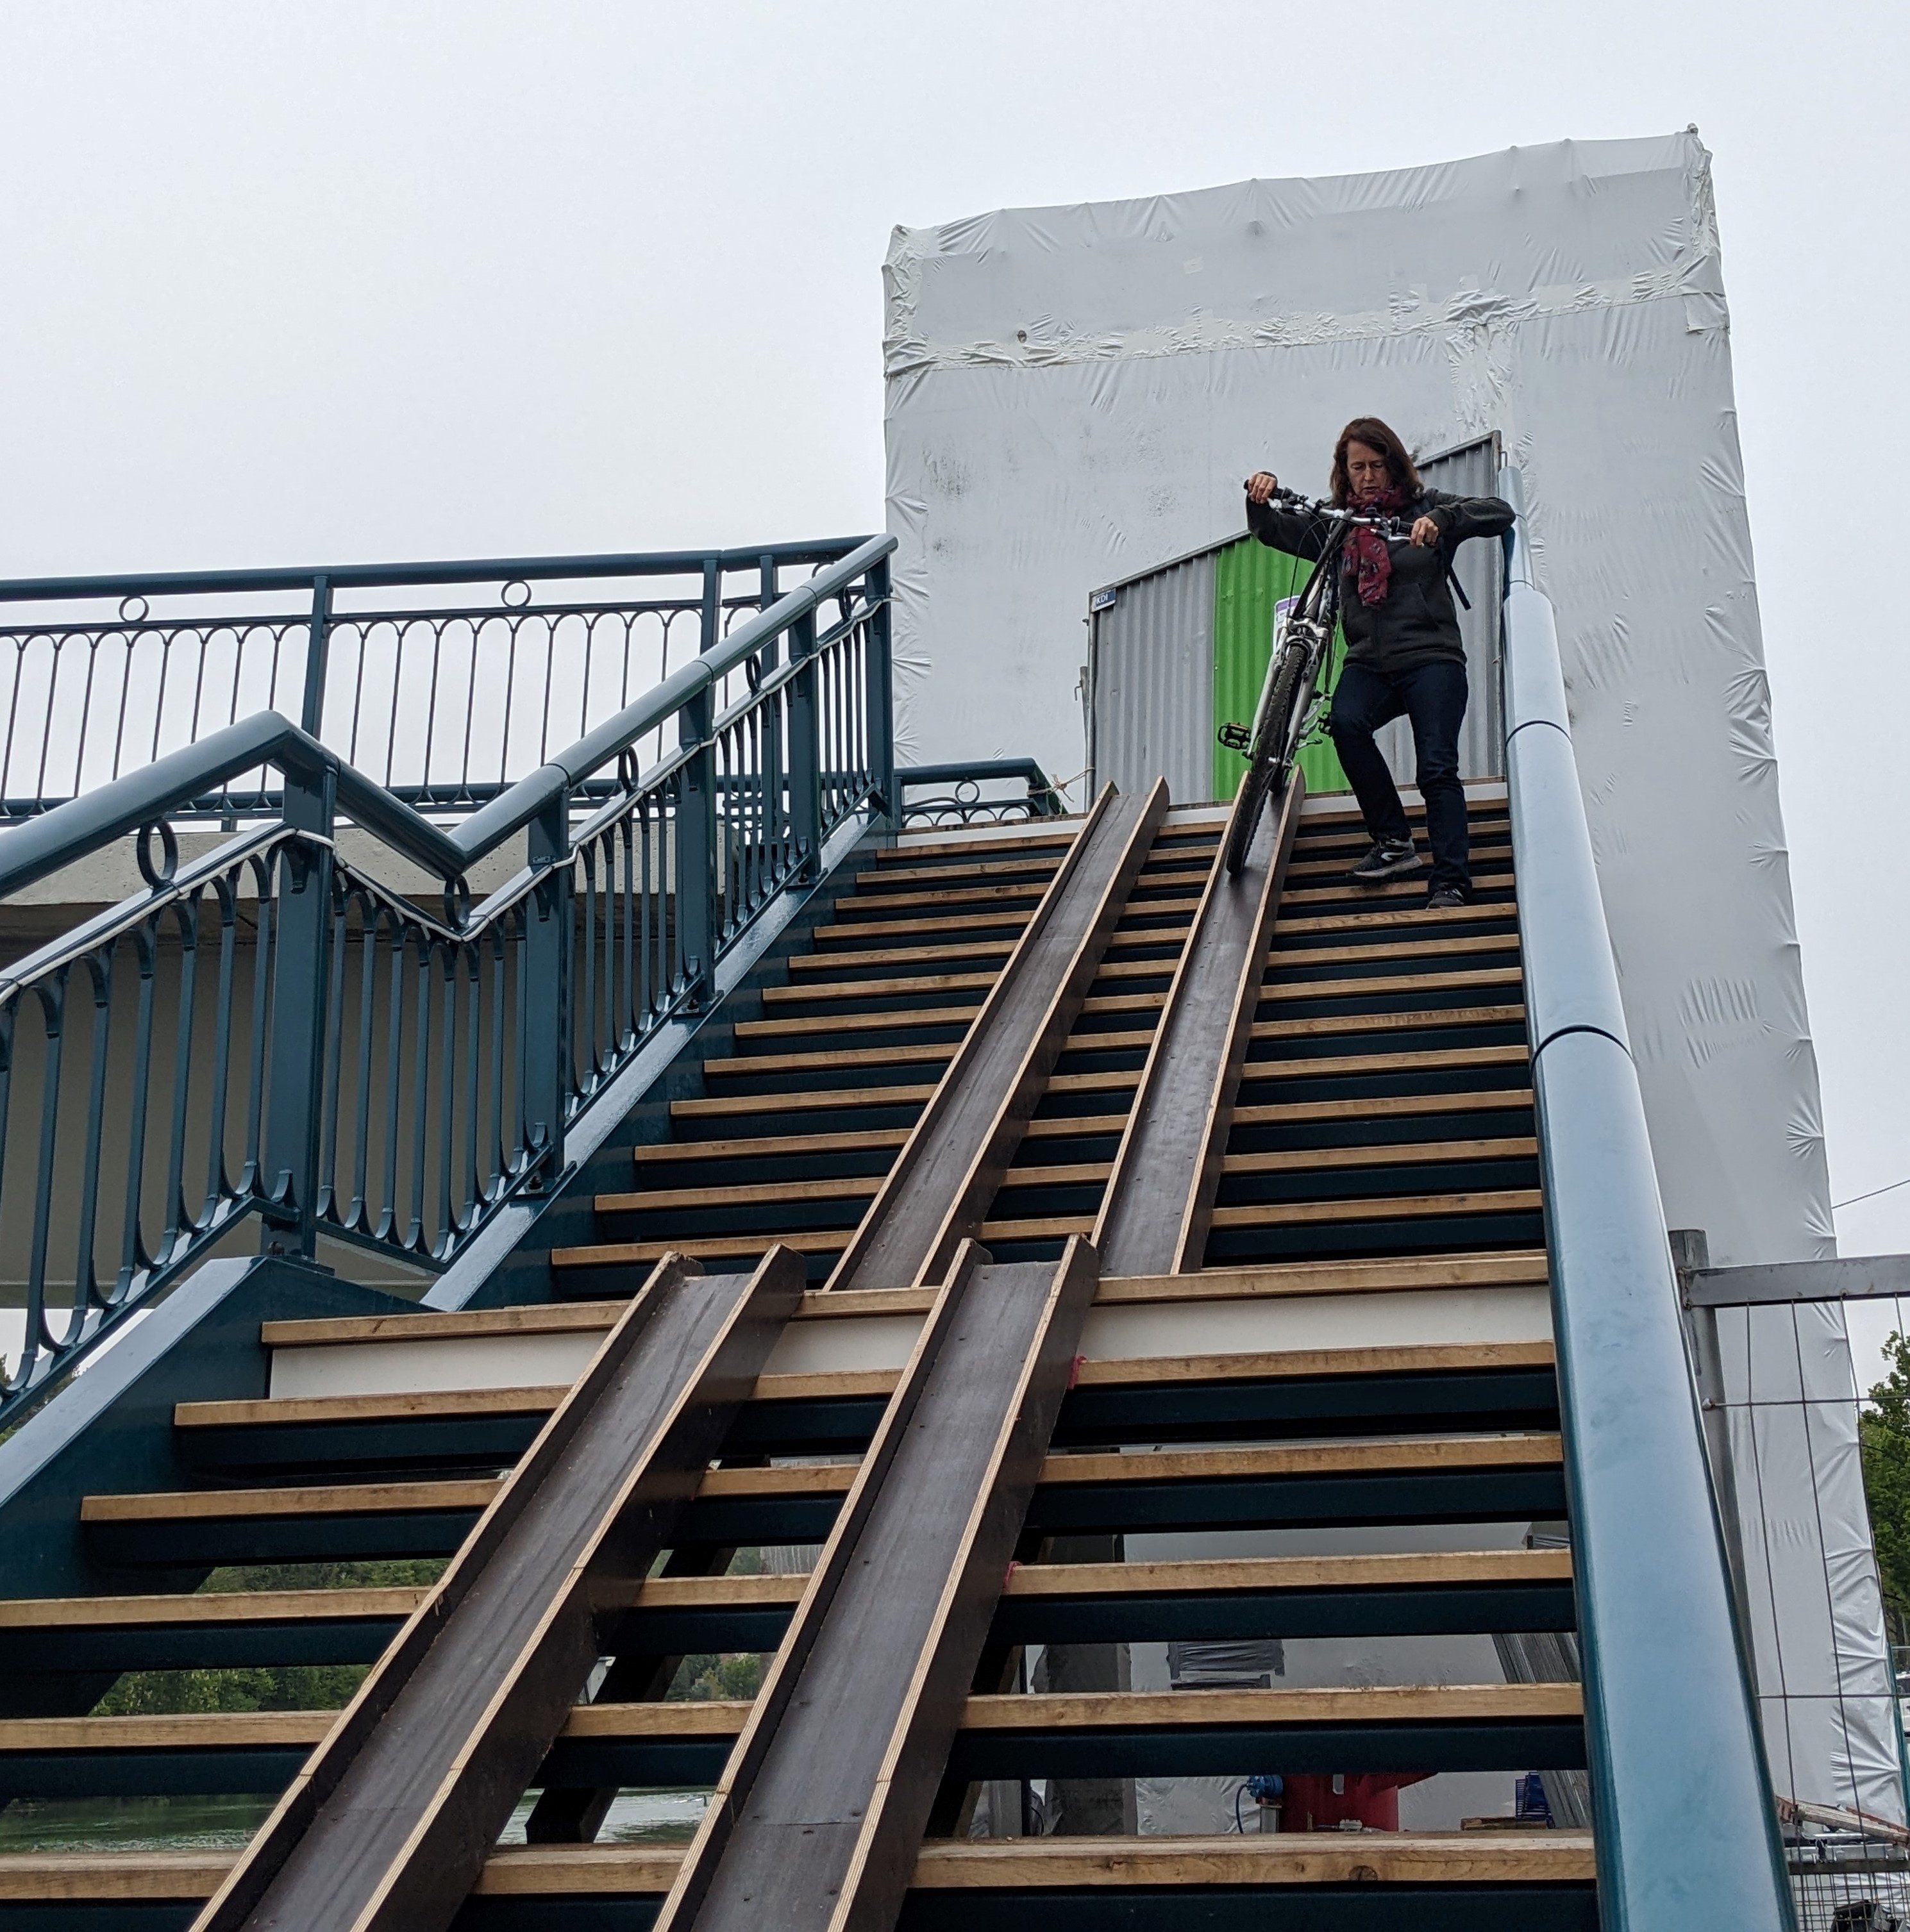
1884,1434
289,1687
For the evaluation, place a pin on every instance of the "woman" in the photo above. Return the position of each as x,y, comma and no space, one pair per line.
1404,654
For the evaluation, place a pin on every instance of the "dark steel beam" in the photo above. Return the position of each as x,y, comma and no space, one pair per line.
1761,1284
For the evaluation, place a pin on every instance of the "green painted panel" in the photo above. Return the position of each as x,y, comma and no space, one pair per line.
1249,580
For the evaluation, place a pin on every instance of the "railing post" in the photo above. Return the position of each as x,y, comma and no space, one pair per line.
805,752
698,916
775,809
318,647
547,969
880,699
301,981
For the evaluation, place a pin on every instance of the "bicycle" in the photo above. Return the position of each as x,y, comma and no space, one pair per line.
1291,701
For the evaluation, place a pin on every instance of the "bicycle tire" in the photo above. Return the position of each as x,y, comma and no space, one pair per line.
1266,771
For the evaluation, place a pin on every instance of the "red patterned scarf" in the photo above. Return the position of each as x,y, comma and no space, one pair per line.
1368,561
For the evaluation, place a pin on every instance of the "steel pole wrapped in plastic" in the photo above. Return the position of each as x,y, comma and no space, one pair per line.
1687,1829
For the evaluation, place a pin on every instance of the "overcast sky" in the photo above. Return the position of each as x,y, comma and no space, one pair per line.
325,281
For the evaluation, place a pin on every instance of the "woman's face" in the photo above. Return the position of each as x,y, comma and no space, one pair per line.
1366,473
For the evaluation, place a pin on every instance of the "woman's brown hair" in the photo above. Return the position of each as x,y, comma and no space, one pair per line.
1374,433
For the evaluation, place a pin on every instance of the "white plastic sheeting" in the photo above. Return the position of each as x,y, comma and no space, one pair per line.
1074,395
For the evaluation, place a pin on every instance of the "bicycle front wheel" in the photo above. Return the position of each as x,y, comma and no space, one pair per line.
1266,769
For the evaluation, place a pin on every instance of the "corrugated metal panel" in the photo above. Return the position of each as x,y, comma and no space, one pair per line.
1151,681
1472,470
1151,674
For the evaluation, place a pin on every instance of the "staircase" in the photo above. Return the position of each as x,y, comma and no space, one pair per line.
1363,1366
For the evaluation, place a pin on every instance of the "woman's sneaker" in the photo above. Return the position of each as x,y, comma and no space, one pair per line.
1444,898
1391,858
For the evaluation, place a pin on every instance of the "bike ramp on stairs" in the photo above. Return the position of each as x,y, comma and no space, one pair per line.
818,1816
1160,1196
388,1823
1365,1357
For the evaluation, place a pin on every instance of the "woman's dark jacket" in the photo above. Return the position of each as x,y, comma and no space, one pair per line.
1416,624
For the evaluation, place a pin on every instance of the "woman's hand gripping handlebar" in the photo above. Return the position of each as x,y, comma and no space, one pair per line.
1263,487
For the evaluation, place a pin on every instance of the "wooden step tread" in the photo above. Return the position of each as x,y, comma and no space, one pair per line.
1388,1106
1370,1455
874,1139
213,1606
1328,1025
1120,1372
1385,894
553,1317
1034,868
1272,1214
1385,1207
1073,1711
1241,1576
745,1194
927,1055
1307,1160
888,955
988,893
424,1496
702,1247
309,1499
862,989
887,868
1496,850
1381,918
1526,1266
259,1412
733,1106
1201,1576
1336,1704
1386,985
911,845
833,961
905,929
665,1153
889,1020
1432,944
988,1865
1430,1060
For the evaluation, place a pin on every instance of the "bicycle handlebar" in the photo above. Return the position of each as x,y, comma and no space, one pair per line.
1387,527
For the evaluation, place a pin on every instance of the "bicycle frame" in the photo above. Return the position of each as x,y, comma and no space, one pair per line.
1288,694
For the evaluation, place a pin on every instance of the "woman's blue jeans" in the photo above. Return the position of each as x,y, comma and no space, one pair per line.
1433,696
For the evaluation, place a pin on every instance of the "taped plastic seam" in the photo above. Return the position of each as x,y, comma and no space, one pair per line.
1559,1033
1215,267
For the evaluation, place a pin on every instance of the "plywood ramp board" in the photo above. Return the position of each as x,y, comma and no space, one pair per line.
388,1825
818,1816
934,1195
1154,1214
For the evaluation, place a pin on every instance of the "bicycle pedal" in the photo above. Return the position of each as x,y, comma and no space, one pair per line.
1234,737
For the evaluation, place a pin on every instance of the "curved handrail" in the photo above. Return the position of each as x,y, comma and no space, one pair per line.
391,576
69,832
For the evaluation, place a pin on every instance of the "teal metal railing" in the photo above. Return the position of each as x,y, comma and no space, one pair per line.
272,1031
